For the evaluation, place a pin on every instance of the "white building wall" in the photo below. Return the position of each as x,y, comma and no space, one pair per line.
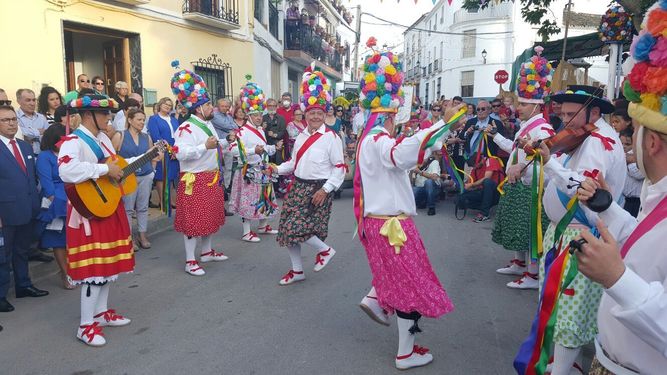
502,48
265,46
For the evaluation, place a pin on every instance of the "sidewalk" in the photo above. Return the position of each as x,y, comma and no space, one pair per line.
157,222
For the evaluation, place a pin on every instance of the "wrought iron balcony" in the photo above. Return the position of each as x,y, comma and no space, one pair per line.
303,45
217,13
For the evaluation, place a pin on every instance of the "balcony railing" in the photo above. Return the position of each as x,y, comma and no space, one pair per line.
273,20
498,11
218,13
301,36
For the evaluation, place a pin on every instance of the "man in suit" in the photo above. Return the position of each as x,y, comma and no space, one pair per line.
19,205
474,133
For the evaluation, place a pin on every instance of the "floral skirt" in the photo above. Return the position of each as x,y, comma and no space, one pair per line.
404,281
299,219
244,199
576,322
511,228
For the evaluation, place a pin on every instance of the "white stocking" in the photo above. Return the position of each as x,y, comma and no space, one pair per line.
564,358
246,226
206,244
372,293
89,295
295,257
190,245
102,299
263,222
406,340
316,243
519,255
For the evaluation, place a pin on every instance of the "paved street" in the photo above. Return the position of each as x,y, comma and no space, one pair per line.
237,320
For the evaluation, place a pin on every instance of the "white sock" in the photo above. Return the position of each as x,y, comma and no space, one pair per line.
316,243
532,267
519,255
372,293
406,340
206,244
190,245
246,226
102,299
89,302
295,257
564,358
263,223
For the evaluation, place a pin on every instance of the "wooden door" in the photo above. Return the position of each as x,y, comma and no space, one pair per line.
116,64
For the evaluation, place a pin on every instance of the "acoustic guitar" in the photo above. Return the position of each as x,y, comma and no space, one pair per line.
100,198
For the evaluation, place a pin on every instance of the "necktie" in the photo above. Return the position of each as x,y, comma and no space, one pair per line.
17,155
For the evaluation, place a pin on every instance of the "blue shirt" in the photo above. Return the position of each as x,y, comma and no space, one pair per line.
223,124
30,126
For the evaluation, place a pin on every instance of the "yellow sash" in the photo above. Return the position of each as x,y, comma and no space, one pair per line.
393,230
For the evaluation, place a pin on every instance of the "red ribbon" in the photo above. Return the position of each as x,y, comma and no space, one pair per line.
606,141
592,174
342,165
91,330
64,139
186,128
319,259
64,160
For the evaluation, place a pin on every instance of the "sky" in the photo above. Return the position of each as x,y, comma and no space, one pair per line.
404,12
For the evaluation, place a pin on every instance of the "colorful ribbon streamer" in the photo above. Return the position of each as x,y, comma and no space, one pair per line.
537,191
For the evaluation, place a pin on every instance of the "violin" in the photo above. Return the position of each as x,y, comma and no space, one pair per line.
565,141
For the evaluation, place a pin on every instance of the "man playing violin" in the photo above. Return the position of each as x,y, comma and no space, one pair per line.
600,153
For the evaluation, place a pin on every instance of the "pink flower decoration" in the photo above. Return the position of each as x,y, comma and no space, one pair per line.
658,55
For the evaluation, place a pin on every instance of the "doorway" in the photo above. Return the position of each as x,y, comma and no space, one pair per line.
111,54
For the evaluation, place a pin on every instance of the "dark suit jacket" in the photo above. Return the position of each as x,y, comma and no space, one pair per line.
19,199
493,147
276,125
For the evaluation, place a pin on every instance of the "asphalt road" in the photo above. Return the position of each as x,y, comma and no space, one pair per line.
237,320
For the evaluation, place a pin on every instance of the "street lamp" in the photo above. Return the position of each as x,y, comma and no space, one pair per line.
484,55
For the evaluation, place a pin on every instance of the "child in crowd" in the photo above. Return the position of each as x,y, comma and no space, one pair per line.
620,120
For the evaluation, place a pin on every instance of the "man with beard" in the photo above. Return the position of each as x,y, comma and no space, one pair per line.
201,198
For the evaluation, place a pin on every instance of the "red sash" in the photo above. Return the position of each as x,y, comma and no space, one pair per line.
650,221
255,131
306,145
527,129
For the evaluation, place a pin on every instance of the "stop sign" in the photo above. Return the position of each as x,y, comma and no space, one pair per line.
501,76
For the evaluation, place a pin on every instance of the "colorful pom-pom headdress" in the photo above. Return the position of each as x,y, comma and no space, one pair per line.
534,80
252,97
93,102
382,80
314,90
646,84
189,88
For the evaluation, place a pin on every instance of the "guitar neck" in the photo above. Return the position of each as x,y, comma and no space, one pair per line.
145,158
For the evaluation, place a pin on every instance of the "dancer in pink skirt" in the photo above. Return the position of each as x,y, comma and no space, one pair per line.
201,199
403,279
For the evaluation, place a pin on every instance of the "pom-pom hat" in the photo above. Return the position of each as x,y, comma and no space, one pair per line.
534,80
646,84
381,81
587,95
189,88
252,97
93,102
314,90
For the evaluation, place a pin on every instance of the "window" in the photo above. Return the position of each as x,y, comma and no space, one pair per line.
469,43
439,86
467,83
442,14
259,10
426,98
217,76
435,97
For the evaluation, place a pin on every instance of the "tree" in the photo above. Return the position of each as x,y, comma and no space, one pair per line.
535,12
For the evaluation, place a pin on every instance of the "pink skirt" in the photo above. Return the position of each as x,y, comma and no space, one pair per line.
244,197
201,213
405,281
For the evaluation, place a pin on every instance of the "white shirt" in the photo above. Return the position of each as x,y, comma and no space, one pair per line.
433,168
78,162
358,121
632,318
384,165
6,141
542,131
247,134
634,182
323,160
192,153
589,156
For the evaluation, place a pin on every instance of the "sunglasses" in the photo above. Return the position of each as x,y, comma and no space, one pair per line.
99,83
5,102
496,105
436,110
481,109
